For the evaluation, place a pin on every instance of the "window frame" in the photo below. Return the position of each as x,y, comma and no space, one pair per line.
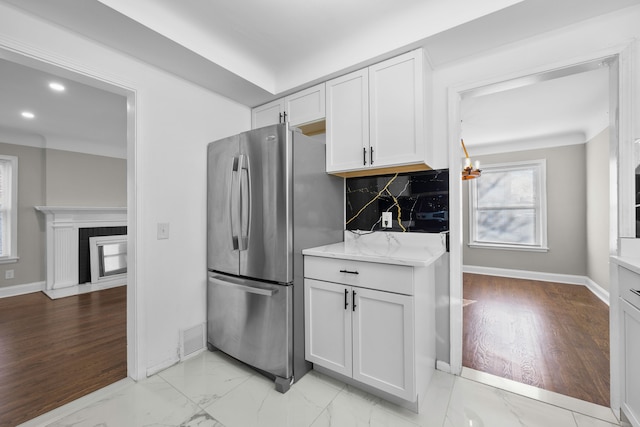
540,207
11,244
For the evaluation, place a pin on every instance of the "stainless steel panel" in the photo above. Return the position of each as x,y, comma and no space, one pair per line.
223,192
251,321
266,204
318,219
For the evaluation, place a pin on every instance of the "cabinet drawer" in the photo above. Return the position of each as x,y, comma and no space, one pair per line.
383,277
629,282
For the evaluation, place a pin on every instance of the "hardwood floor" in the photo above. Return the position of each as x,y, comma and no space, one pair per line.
549,335
55,351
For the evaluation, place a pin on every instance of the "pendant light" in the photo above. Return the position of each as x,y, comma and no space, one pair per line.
469,172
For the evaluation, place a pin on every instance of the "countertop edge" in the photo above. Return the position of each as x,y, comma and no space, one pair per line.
375,258
632,264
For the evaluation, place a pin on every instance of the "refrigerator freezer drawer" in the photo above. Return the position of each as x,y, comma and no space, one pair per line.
251,321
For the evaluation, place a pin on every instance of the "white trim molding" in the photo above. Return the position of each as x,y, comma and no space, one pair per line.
62,225
15,290
568,279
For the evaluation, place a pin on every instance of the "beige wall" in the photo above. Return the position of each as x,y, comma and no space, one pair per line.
56,178
598,205
77,179
30,268
566,216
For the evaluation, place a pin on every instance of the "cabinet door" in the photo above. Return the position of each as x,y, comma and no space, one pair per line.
630,323
328,325
396,97
348,122
267,114
383,342
306,106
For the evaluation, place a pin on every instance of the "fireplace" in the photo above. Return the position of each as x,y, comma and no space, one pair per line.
66,230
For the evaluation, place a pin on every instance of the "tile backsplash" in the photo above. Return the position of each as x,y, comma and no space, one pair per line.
418,201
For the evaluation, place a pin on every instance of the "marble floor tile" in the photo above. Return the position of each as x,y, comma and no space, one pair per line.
255,402
207,377
479,405
152,402
434,406
353,407
585,421
213,390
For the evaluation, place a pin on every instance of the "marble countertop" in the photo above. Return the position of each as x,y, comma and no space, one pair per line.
412,249
629,263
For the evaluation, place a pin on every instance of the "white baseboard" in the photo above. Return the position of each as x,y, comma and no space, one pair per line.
15,290
443,366
568,279
162,366
80,289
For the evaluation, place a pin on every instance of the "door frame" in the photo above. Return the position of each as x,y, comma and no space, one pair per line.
29,56
622,215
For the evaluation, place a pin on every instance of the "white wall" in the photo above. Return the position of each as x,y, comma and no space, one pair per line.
593,38
174,122
599,37
597,179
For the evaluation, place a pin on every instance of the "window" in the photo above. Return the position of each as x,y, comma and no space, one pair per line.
8,208
508,207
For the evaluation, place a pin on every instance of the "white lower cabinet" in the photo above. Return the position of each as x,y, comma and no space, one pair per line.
383,348
369,335
630,323
328,325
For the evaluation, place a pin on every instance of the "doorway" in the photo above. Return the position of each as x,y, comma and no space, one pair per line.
495,261
97,84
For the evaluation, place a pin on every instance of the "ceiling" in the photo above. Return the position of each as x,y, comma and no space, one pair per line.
568,109
253,51
82,118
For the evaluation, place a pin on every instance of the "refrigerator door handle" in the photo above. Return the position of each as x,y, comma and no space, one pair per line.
234,192
216,279
245,201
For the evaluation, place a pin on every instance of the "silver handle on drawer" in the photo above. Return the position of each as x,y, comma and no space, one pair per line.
635,291
220,280
349,272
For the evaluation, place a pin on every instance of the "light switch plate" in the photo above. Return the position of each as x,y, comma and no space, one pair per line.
163,230
387,219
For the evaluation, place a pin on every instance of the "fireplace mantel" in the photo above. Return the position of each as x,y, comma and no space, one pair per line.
62,224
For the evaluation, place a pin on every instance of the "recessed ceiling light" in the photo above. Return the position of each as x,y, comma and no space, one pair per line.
56,87
28,115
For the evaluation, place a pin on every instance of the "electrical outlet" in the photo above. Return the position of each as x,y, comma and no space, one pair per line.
387,219
8,274
163,230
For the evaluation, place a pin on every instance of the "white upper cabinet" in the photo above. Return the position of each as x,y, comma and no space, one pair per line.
267,114
348,121
306,106
396,110
376,117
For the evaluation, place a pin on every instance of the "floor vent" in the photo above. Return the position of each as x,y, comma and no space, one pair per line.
191,341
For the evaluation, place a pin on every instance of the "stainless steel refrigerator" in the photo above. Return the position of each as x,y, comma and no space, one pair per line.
268,197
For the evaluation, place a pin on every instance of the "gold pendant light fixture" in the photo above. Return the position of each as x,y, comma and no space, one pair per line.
469,172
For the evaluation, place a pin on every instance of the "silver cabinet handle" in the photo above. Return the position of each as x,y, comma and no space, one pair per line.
349,272
218,280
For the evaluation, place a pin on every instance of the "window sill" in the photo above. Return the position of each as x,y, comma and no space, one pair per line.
9,260
509,247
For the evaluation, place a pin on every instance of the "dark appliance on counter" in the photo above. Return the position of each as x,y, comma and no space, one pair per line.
268,197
